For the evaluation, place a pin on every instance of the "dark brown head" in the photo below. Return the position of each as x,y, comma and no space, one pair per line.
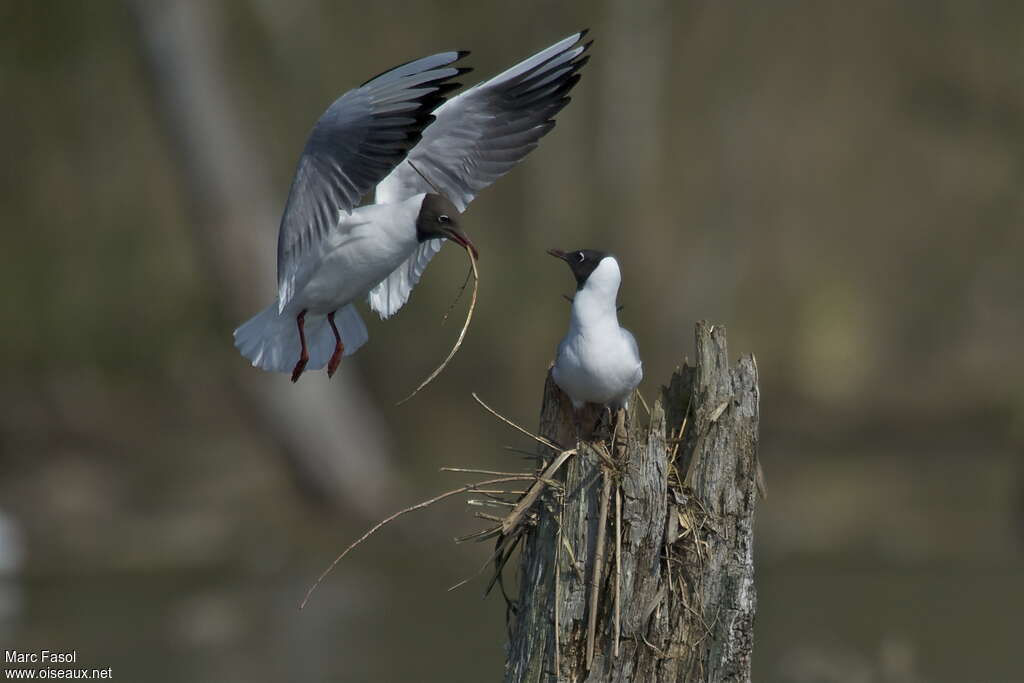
440,219
582,262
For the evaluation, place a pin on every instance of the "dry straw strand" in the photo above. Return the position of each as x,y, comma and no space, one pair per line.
412,508
462,333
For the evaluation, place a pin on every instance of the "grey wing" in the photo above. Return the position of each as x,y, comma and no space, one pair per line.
361,137
483,132
631,341
391,294
561,348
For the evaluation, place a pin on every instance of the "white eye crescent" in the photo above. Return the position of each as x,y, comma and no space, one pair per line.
580,254
443,218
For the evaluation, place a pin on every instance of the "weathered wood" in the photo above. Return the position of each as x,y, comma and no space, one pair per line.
685,482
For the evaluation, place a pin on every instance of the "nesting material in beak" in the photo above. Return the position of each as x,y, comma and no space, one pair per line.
471,251
462,240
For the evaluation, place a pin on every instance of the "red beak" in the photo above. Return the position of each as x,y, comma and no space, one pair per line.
460,238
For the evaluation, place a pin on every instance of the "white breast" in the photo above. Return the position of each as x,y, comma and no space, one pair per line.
358,254
602,369
598,361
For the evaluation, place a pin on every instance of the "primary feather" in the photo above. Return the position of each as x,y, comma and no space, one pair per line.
477,137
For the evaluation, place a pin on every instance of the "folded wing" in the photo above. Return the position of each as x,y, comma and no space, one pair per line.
361,137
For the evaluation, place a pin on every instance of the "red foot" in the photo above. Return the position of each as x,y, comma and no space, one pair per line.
339,348
299,368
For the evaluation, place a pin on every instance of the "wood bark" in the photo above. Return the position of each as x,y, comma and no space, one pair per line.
681,510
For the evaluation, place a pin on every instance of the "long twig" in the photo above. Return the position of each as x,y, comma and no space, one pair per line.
595,580
462,334
682,428
470,470
531,495
520,451
619,439
411,508
618,567
478,572
458,296
568,548
647,408
490,502
558,599
539,439
481,535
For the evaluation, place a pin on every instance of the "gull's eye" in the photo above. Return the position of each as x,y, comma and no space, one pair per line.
580,254
443,218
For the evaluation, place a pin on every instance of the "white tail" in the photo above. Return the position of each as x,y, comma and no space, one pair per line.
271,341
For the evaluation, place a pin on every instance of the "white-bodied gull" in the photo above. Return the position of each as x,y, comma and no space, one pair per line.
427,163
598,361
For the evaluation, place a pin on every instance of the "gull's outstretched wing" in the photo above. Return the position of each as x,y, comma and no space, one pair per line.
361,137
478,136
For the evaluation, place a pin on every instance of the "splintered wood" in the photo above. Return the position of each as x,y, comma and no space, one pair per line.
637,563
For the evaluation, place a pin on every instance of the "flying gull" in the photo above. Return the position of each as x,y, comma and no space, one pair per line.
427,159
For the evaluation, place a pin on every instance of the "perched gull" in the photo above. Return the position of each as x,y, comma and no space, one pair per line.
427,163
598,361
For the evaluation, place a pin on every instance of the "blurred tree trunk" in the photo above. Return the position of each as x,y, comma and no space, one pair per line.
685,576
329,432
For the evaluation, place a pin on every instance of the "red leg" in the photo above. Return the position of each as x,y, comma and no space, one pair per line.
339,348
300,321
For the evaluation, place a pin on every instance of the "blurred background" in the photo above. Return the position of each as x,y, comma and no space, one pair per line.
840,186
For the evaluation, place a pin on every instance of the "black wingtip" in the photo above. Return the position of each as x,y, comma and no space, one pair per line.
583,34
461,54
569,84
445,88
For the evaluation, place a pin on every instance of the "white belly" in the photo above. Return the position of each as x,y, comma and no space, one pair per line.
597,368
356,257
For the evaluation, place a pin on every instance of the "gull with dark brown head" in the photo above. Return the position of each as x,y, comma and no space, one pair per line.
427,158
598,361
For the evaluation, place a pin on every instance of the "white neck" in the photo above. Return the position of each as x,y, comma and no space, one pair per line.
594,304
395,222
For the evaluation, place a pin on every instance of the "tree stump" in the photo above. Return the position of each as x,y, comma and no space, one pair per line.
673,584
